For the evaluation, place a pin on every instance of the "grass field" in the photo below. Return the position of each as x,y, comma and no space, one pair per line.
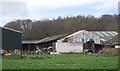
64,61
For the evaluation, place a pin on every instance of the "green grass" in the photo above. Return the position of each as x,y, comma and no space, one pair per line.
65,61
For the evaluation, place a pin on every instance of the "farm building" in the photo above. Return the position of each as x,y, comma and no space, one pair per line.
75,42
113,46
10,39
30,45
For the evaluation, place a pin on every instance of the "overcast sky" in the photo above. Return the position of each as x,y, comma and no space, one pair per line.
40,9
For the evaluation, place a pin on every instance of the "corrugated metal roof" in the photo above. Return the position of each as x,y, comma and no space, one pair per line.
106,35
29,41
43,40
99,34
11,29
51,38
103,34
114,40
76,33
111,33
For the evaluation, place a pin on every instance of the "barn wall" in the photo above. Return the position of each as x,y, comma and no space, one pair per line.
0,37
69,47
117,46
11,39
0,48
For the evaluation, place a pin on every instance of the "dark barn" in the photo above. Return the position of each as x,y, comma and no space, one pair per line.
11,39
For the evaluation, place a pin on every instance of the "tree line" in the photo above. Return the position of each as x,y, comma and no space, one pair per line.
35,30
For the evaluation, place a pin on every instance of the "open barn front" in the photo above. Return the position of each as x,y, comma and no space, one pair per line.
28,48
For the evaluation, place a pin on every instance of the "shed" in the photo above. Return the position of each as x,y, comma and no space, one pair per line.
43,43
29,45
48,41
10,38
81,37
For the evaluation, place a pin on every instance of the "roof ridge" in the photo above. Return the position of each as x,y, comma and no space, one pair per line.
11,29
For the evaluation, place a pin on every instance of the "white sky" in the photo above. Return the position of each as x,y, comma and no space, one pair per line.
39,9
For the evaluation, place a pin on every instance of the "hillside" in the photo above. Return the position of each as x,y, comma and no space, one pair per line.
35,30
